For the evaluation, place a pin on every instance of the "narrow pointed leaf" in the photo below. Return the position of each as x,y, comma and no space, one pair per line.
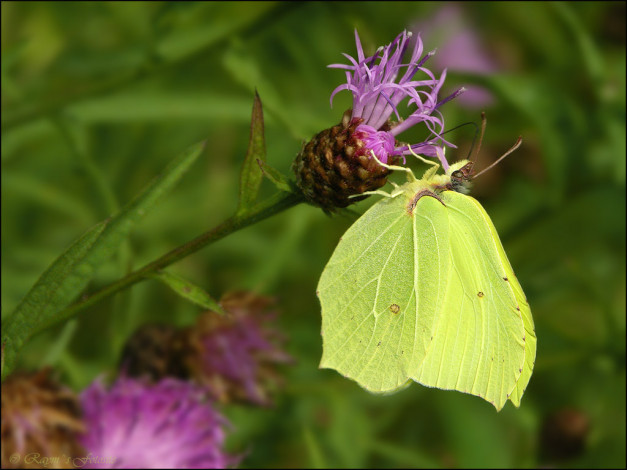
279,180
189,291
250,177
69,274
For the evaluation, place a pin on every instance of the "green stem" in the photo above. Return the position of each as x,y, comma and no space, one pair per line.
278,203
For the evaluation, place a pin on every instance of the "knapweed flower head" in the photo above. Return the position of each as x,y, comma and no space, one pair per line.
236,355
377,92
339,162
136,424
39,417
156,351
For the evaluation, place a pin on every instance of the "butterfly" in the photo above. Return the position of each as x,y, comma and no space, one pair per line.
420,289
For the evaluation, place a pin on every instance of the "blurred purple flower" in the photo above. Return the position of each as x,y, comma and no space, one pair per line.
135,424
40,417
460,49
236,354
377,94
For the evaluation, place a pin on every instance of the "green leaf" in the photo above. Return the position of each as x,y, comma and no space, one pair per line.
189,291
420,288
54,198
226,21
251,176
69,274
316,456
148,106
277,178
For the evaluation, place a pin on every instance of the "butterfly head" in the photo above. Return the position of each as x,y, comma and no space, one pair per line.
461,174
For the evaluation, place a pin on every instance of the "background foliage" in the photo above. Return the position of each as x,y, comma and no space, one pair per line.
98,97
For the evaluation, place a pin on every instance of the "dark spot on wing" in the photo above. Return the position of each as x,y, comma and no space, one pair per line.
425,192
394,308
480,294
505,279
379,344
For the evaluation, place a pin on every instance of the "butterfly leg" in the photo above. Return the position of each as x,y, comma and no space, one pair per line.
410,174
422,159
380,192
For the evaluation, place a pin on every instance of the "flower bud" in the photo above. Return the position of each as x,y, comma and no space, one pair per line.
155,351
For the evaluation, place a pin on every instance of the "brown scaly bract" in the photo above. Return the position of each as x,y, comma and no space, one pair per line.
331,167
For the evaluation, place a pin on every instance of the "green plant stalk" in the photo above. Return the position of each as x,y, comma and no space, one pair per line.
272,206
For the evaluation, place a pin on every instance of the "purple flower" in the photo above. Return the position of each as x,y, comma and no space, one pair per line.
340,165
460,48
134,424
377,94
236,354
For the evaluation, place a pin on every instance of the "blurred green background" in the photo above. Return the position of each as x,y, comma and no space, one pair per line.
98,97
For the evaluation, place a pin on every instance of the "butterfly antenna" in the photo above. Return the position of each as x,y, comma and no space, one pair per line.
469,123
515,146
476,152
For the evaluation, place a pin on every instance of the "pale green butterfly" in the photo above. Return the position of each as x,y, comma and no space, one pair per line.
419,288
